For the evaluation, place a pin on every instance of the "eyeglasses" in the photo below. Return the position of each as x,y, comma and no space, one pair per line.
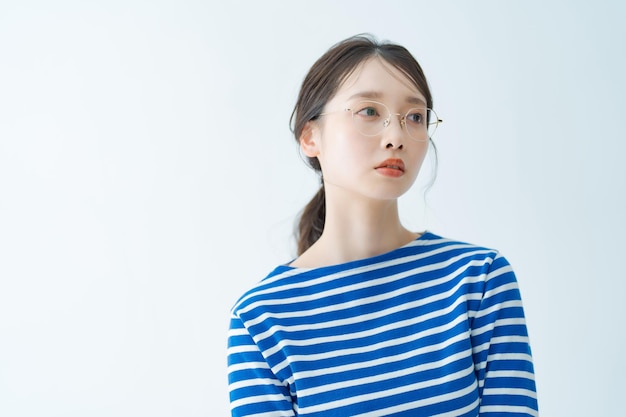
371,117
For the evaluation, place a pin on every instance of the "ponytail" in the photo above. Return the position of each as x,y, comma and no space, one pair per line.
311,224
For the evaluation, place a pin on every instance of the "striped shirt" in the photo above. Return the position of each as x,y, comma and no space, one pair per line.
433,328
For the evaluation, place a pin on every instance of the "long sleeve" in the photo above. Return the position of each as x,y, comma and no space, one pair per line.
254,389
501,348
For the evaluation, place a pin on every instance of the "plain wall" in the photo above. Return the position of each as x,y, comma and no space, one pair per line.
148,177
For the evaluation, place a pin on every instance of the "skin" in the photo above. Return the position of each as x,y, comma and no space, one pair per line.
362,218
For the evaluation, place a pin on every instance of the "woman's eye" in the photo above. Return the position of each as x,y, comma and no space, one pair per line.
415,117
368,112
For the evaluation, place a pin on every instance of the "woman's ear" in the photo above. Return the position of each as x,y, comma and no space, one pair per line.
309,139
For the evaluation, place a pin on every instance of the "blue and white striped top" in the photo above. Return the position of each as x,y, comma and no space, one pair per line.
435,327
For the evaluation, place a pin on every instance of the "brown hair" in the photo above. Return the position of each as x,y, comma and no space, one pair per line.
320,85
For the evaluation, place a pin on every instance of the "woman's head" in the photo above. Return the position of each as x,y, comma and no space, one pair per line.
326,83
329,72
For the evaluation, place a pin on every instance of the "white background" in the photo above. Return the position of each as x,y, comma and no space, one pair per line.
148,177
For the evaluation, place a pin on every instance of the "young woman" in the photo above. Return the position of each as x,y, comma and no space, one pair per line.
372,319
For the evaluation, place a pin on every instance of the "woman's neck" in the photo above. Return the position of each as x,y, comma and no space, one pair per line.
356,230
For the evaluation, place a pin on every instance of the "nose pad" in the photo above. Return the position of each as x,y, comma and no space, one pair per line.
394,140
401,120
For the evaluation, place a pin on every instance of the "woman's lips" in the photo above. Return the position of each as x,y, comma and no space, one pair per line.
392,167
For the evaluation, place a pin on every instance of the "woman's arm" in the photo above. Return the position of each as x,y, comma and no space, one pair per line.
254,389
501,349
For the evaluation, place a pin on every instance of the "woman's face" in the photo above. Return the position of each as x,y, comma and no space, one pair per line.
383,166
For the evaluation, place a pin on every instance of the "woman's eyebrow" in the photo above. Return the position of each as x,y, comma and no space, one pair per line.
378,95
366,94
415,100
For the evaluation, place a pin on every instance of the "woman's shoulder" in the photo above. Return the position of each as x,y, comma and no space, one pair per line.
436,250
269,287
432,241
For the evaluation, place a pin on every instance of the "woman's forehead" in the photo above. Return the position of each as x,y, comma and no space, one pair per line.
377,77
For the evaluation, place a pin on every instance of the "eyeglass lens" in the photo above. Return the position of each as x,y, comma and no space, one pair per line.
371,117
